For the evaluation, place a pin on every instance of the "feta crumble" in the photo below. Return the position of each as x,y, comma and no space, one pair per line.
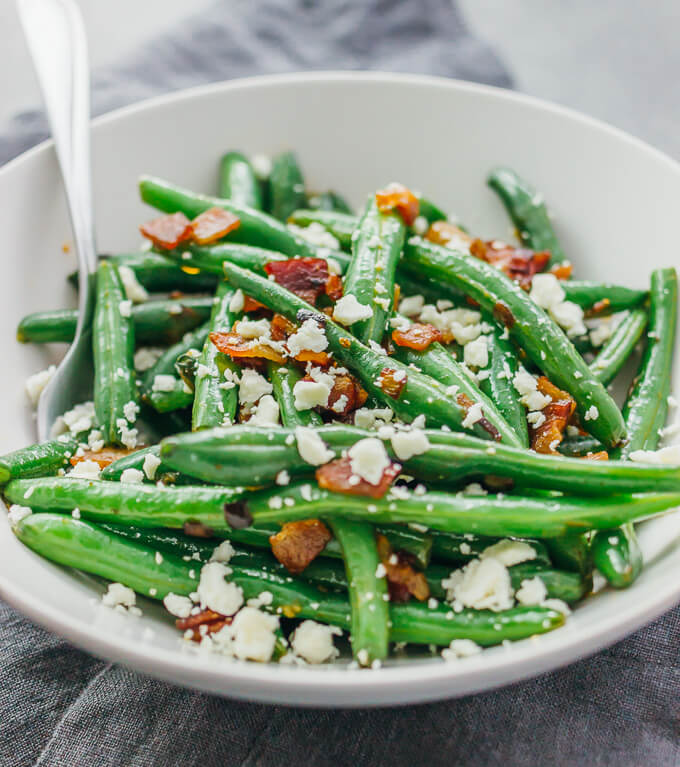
509,552
460,648
311,447
532,591
217,594
16,513
134,290
483,584
36,383
309,337
150,465
313,641
368,459
348,310
253,386
266,412
125,308
177,605
406,444
132,476
86,470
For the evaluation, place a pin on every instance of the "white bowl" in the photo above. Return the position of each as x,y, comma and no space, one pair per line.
615,201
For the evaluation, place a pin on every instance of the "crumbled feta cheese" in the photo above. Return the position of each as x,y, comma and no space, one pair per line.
86,470
509,552
483,584
311,447
262,165
340,404
536,418
669,456
253,328
223,553
602,332
309,337
132,476
80,418
215,593
253,386
146,357
266,412
368,459
372,418
569,316
36,383
150,465
128,436
476,353
557,604
253,634
473,415
282,478
421,225
531,591
314,641
16,513
130,411
125,308
118,595
309,394
526,385
460,648
317,234
406,444
592,413
202,371
163,383
546,290
348,310
237,302
380,570
177,605
133,289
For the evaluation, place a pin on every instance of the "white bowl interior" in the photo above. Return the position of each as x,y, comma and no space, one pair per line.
615,203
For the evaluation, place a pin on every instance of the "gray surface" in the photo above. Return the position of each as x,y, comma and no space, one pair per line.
62,707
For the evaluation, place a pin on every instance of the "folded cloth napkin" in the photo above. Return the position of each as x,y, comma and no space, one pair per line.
60,706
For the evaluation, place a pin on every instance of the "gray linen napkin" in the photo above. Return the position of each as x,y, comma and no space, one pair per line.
60,706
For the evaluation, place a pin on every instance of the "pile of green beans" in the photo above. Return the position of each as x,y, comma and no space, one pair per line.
154,516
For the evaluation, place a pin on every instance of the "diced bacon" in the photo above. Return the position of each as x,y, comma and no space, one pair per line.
601,455
334,289
306,277
299,543
349,387
598,307
213,225
337,476
562,271
238,347
392,381
322,359
403,580
550,433
167,232
442,232
251,305
281,327
417,336
400,198
517,263
209,618
104,457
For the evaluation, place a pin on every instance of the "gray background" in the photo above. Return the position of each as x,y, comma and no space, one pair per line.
614,59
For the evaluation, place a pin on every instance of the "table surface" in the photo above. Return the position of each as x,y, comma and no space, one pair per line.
614,59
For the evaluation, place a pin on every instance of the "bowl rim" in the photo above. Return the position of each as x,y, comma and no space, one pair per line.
337,686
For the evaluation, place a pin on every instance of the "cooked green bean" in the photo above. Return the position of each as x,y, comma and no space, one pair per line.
460,548
286,186
113,344
340,225
237,181
531,328
331,201
618,348
610,298
37,460
283,378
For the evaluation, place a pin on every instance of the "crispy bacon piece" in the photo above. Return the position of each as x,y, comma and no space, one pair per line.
400,198
338,477
550,433
298,543
447,234
466,403
102,457
392,381
334,289
322,359
238,347
562,271
167,232
212,620
349,387
517,263
251,305
281,327
503,314
418,336
306,277
601,455
598,307
213,224
403,580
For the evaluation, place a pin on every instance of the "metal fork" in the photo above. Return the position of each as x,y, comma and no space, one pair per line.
56,39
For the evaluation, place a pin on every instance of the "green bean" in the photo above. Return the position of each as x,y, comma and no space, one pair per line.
283,379
437,362
376,248
286,186
237,181
255,228
213,404
501,515
498,387
617,349
157,274
186,365
367,592
113,343
330,201
37,460
155,322
460,548
528,212
255,455
76,543
531,328
616,297
178,397
340,225
135,460
420,394
124,502
580,445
